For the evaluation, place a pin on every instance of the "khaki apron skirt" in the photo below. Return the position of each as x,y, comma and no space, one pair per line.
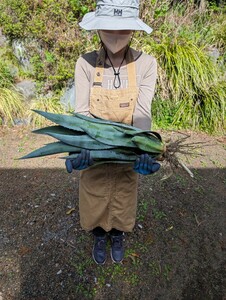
108,192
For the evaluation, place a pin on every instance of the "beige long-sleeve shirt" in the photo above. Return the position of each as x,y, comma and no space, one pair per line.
146,70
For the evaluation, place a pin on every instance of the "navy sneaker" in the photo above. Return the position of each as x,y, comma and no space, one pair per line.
99,249
117,249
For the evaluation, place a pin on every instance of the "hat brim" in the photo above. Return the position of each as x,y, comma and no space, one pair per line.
91,22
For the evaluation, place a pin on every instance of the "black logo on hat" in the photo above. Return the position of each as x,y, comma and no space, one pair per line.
117,12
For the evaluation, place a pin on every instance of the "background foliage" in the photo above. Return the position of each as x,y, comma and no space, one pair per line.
191,82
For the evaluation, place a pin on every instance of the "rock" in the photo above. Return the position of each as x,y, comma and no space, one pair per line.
140,226
21,54
214,53
18,122
28,88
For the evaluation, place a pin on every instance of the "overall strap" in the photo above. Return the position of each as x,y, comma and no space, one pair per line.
99,70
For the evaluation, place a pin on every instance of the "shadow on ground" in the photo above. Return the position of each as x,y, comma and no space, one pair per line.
177,249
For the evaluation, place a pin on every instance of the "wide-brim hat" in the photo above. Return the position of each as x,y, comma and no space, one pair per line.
115,15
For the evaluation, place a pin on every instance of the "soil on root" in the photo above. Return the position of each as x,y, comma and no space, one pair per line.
177,249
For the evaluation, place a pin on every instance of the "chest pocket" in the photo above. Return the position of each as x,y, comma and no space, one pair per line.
116,105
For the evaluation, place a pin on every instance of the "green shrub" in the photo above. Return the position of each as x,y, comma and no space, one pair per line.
54,25
163,112
6,78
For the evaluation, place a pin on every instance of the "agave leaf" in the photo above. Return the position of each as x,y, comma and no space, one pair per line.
57,129
76,122
111,154
81,141
67,121
52,148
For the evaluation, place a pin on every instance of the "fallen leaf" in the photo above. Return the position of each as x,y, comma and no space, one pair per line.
135,254
169,228
70,211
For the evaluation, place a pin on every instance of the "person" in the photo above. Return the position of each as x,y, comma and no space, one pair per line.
115,83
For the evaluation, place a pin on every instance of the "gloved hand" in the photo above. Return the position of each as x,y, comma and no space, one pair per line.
81,162
146,165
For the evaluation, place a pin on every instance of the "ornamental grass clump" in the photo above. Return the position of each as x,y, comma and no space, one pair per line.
12,106
193,82
44,104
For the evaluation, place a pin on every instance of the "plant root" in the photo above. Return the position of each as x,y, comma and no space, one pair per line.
176,148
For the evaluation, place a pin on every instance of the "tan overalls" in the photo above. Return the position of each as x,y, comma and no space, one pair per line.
108,192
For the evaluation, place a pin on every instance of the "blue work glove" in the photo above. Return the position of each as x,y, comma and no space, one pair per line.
81,162
146,165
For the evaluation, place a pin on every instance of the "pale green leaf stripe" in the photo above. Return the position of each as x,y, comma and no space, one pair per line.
50,149
132,132
106,122
82,141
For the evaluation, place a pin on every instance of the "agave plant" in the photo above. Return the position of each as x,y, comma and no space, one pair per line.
108,141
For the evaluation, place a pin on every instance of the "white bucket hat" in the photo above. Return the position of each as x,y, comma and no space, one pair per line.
115,15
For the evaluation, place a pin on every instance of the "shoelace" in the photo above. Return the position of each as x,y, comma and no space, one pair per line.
117,242
101,244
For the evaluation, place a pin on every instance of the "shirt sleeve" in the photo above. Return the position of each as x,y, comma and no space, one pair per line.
142,112
82,87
